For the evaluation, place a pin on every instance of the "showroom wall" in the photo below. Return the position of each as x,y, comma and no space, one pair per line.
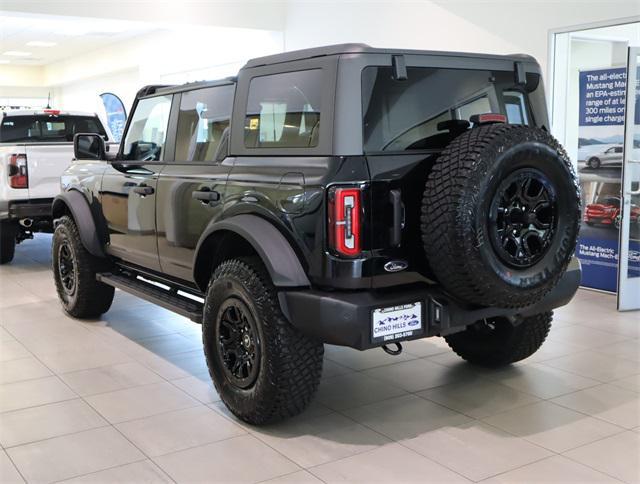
173,56
480,26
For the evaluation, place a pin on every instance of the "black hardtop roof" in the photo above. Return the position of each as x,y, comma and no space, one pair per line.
329,50
339,49
154,89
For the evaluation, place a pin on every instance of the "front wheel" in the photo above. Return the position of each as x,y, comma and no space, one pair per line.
497,341
74,272
594,163
263,368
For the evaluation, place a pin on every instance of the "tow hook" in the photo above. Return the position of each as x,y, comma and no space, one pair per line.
391,352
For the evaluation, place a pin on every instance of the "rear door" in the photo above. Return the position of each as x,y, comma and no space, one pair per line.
191,188
128,191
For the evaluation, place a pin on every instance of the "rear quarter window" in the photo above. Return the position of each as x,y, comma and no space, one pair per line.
283,110
47,128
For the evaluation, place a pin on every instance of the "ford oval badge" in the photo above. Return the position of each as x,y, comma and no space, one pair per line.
395,266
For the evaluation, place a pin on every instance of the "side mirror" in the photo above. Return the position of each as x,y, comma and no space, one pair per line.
89,146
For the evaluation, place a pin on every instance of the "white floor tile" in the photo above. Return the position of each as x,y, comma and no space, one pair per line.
73,455
477,451
607,402
241,459
139,402
617,456
553,427
46,421
178,430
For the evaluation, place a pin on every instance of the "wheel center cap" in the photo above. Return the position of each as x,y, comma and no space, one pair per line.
246,341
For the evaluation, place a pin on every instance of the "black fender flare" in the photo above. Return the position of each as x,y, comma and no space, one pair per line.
80,210
274,249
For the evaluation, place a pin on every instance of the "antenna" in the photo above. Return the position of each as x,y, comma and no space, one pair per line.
48,101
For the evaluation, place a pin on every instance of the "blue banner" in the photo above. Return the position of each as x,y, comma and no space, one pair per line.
602,95
116,114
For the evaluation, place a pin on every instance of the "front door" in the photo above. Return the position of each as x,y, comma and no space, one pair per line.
128,192
191,188
629,265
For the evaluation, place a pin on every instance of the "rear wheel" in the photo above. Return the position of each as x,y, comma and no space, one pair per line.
74,272
7,241
263,368
498,341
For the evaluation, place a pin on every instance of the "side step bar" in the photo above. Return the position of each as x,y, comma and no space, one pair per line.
167,298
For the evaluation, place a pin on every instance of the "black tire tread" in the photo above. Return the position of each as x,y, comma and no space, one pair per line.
521,342
93,297
294,361
7,241
449,196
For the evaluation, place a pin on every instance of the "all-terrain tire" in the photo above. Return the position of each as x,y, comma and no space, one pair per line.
74,271
7,241
497,342
468,198
289,363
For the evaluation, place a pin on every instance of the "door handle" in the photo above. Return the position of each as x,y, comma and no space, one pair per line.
206,195
143,190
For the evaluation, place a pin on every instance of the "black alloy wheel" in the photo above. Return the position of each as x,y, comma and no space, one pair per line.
523,218
67,268
239,342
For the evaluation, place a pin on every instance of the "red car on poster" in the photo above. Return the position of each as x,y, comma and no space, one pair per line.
607,212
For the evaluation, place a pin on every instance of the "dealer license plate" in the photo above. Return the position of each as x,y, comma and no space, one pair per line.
396,322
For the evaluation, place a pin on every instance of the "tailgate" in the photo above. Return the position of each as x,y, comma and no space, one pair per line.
397,185
46,162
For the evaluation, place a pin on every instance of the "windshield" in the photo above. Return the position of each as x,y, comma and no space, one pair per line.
433,105
47,128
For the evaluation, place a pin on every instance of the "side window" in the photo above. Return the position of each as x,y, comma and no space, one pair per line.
514,105
283,110
204,115
148,130
477,106
618,149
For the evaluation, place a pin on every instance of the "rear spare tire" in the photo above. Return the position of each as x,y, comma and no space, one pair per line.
500,215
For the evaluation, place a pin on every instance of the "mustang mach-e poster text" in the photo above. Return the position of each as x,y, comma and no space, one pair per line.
600,153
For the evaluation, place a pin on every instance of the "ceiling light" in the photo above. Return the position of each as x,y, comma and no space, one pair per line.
41,43
16,53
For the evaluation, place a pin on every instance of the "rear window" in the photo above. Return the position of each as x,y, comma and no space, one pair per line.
47,128
283,110
421,111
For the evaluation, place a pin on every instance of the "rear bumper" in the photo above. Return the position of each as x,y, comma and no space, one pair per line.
37,209
344,318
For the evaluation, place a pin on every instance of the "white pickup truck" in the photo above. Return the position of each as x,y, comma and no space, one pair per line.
36,147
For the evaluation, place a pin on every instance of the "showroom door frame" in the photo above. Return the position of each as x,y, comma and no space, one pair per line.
557,111
628,297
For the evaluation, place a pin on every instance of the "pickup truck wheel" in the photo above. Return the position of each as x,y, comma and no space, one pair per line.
7,241
500,215
263,368
497,341
74,271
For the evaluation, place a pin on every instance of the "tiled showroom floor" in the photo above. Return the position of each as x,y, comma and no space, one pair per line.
127,399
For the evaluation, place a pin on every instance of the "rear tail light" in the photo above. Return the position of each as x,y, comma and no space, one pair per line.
345,221
18,175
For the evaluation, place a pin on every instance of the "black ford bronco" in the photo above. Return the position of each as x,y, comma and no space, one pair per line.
343,195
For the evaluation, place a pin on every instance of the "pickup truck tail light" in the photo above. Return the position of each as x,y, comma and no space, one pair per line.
345,220
18,175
